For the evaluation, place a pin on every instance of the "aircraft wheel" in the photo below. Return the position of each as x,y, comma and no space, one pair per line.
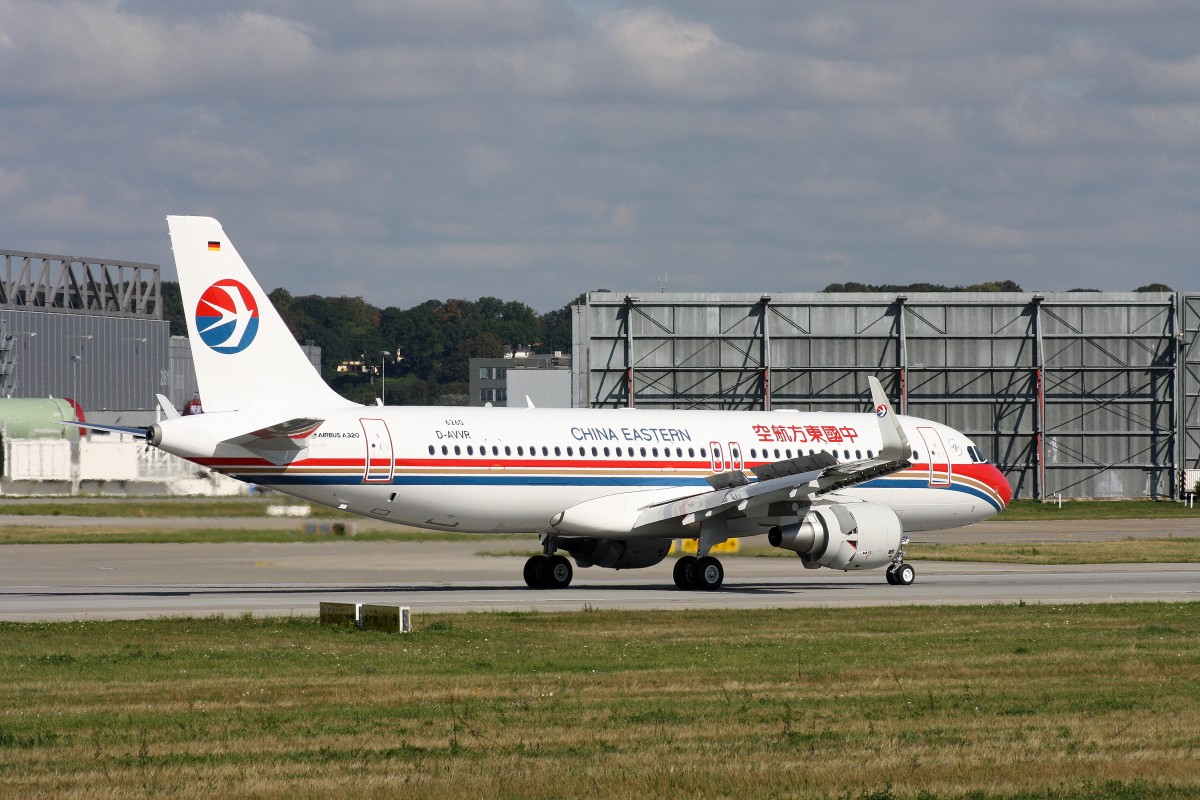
905,575
558,572
685,572
535,572
708,573
891,575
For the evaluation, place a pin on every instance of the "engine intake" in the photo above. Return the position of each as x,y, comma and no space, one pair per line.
845,537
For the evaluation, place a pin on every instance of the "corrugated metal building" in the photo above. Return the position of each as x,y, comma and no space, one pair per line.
1084,394
89,329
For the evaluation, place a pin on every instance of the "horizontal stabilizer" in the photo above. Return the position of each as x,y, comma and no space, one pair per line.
140,433
290,435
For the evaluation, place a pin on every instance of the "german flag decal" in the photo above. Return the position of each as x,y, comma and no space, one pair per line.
214,245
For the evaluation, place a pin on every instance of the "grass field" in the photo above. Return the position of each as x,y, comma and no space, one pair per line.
984,703
20,534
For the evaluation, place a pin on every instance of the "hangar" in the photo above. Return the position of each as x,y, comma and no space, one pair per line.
1074,394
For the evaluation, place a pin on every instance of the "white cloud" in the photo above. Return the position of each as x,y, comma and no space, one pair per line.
537,148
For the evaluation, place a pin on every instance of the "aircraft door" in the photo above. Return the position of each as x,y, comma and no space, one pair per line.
939,463
380,465
715,459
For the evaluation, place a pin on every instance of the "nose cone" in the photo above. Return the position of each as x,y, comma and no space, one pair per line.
999,484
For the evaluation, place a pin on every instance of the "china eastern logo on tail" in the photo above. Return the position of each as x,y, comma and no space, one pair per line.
227,316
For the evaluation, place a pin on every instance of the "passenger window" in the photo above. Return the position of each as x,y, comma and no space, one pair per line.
457,452
655,451
444,450
606,452
557,452
507,450
691,452
643,452
430,449
470,450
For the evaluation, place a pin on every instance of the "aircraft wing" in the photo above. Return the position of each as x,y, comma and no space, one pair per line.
793,480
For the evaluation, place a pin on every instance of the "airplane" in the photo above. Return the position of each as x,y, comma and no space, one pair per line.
611,488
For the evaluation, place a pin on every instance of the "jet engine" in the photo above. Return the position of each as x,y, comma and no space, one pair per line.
615,553
845,537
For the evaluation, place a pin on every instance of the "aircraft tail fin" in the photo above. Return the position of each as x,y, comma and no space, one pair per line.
243,352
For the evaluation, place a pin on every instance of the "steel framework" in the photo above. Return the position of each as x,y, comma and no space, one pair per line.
1074,394
100,287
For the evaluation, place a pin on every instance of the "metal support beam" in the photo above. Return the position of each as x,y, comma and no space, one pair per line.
765,314
630,401
1039,423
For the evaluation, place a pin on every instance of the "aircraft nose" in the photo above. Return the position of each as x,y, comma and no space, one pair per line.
999,484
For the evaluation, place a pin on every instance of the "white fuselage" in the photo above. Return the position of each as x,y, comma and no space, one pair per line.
498,470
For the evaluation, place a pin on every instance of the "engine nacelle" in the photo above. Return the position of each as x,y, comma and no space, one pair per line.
615,553
845,537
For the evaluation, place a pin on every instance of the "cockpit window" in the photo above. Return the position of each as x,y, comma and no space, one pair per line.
977,455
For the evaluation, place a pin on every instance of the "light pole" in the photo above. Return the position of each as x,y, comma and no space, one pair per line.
77,360
383,357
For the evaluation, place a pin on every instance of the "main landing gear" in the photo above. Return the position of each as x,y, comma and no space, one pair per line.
704,573
548,571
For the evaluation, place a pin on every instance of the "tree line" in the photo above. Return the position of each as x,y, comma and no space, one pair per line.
430,344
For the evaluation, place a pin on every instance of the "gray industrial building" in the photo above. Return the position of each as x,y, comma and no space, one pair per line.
1075,394
92,330
543,378
88,329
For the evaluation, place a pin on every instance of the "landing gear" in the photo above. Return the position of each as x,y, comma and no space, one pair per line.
548,571
709,573
704,573
684,572
901,574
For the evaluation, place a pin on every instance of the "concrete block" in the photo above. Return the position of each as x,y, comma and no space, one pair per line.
389,619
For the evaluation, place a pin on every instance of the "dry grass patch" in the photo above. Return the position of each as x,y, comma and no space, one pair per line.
998,702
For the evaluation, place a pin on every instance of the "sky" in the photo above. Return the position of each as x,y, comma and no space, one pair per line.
403,150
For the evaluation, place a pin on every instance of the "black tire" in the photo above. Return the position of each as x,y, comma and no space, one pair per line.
708,574
535,572
558,572
684,572
905,575
891,575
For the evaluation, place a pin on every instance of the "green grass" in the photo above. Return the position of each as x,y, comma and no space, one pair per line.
993,703
169,507
1026,510
116,535
1171,550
